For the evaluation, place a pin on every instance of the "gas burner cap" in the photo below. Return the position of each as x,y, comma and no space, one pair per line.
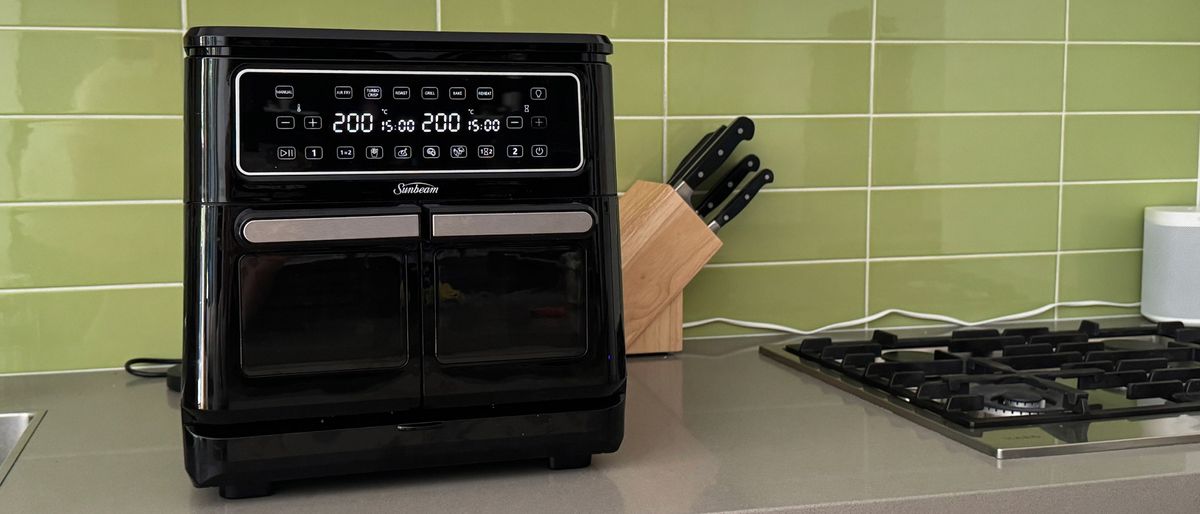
1003,400
1021,400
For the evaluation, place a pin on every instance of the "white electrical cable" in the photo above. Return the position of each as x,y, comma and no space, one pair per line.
911,314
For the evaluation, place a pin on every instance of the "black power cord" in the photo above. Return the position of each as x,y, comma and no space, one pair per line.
129,367
173,374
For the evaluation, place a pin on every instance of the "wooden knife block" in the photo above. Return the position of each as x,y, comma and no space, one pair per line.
664,244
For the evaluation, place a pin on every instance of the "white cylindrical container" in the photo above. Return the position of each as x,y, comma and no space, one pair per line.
1171,264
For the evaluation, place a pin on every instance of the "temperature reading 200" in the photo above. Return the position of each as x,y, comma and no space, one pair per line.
441,122
354,122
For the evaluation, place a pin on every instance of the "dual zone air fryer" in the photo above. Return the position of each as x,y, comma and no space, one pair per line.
402,251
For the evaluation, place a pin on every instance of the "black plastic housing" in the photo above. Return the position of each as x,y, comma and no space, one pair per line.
216,53
265,399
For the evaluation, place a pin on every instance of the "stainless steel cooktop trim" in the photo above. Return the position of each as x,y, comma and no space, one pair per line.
35,419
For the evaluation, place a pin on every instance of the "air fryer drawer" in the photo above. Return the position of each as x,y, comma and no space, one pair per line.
513,307
322,312
502,303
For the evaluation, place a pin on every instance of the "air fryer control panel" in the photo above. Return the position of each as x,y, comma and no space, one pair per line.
330,122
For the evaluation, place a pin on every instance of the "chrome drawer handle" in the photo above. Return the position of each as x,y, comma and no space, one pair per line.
340,228
511,223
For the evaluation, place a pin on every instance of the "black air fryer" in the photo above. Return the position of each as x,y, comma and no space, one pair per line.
402,251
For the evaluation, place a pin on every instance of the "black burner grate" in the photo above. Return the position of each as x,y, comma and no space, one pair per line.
983,378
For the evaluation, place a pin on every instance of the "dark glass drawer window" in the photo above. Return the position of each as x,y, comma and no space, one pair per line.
322,312
501,304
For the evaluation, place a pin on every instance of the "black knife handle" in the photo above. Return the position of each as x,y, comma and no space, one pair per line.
727,185
689,175
691,156
736,204
722,146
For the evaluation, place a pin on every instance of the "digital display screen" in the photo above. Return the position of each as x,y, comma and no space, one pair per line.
316,122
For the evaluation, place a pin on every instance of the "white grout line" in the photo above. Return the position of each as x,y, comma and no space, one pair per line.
1031,113
1138,43
1016,42
105,287
1034,42
665,96
955,257
901,42
908,187
825,189
999,255
907,115
964,256
1101,250
756,116
1129,181
719,265
91,203
982,185
183,19
737,41
30,28
870,162
91,116
1062,156
1198,175
438,12
639,118
922,258
1131,113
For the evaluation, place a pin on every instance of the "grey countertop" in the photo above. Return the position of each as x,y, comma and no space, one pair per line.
716,428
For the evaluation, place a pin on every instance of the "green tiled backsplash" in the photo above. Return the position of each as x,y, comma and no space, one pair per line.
964,157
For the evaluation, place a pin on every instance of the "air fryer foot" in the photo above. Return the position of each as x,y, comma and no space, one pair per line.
245,490
571,461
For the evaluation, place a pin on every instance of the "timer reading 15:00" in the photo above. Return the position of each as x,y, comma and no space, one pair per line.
364,122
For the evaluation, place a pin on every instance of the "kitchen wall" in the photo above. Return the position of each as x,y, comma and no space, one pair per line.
964,157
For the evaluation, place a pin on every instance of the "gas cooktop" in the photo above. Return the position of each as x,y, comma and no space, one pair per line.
1022,392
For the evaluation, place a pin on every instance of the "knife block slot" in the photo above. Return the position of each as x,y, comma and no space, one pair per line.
664,244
